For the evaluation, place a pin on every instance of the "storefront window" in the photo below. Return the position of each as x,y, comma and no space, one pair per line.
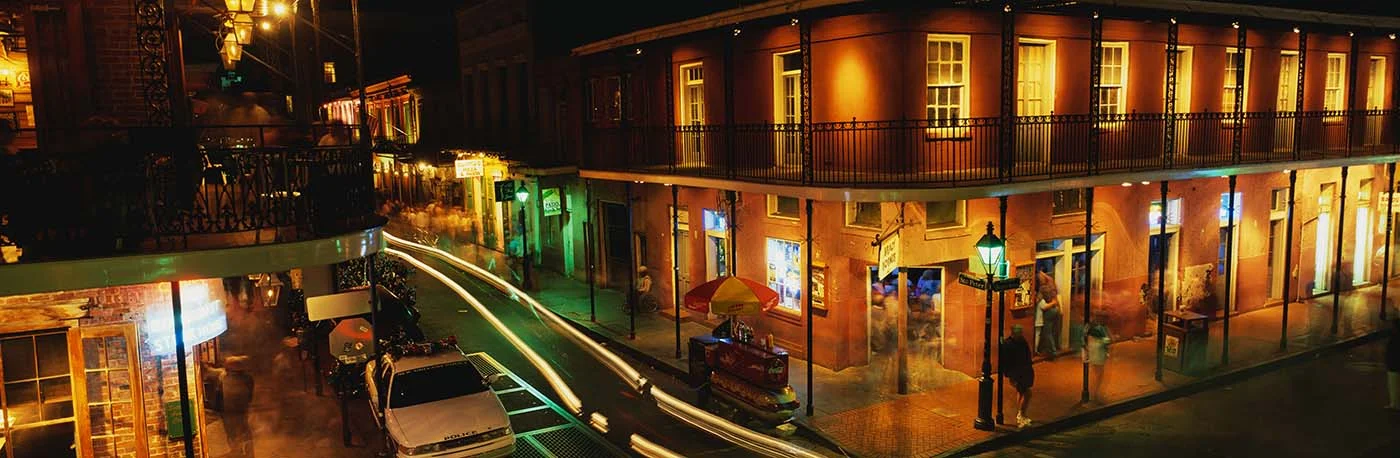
1068,201
783,206
1173,213
38,395
785,273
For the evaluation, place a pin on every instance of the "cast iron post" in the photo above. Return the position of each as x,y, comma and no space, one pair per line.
984,383
1161,280
1229,273
1288,254
1337,257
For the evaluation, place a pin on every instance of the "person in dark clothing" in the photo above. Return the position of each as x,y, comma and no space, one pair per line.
1016,365
1392,365
236,387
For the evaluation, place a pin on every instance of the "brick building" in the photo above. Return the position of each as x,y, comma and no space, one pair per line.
799,140
106,207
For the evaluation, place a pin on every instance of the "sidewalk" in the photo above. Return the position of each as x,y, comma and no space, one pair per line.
857,406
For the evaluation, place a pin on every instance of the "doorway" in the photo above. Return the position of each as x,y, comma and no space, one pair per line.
1182,102
1322,248
787,108
1375,100
617,239
1227,255
716,244
1035,96
1287,100
112,386
681,259
1156,262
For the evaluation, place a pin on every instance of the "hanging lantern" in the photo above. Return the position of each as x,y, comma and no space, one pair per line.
231,48
260,8
239,6
243,28
270,289
229,64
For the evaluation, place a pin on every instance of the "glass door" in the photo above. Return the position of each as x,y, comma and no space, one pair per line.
1035,87
111,391
37,402
1287,100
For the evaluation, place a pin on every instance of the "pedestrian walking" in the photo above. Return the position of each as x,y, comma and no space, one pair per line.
1392,365
236,390
1016,366
1095,354
1047,316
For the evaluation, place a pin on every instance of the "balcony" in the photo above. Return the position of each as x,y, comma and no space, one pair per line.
92,193
962,152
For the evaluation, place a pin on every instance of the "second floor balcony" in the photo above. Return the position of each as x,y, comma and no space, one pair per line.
89,193
979,151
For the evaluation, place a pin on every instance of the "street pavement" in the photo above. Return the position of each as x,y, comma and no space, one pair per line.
1330,406
444,313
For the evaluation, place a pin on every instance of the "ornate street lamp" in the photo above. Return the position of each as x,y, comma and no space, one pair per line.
243,27
521,196
231,52
990,251
270,288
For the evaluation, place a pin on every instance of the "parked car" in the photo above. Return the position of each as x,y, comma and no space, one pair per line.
438,405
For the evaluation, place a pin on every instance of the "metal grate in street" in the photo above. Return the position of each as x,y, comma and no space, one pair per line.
542,428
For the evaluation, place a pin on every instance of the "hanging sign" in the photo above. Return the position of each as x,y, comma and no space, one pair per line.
203,320
505,191
549,197
889,255
469,168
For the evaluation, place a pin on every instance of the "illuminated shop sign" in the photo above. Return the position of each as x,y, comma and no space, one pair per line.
203,320
551,203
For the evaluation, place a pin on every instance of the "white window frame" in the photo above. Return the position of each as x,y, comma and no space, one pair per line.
1184,78
948,127
1334,96
1122,104
1229,82
961,218
1376,92
1291,84
1047,77
773,208
852,209
686,84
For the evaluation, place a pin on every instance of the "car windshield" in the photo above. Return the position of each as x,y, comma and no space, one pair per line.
435,383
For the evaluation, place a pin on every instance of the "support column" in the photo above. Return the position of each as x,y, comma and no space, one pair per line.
733,235
1161,281
1288,252
1352,69
1297,126
901,324
804,33
728,86
1095,85
1389,229
675,263
632,264
180,366
811,350
1337,256
1001,322
1229,273
1089,277
1237,139
670,136
588,248
1006,164
1169,130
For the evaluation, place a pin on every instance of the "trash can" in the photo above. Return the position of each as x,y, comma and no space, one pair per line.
1184,343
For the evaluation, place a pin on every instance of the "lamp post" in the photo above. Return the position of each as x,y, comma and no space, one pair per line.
990,251
521,195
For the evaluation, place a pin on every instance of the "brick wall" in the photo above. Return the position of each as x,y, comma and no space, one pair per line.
116,57
159,373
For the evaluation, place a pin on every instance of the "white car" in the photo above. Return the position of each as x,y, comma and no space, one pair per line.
438,406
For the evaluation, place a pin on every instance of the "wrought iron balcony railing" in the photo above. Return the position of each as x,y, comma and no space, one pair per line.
89,193
939,153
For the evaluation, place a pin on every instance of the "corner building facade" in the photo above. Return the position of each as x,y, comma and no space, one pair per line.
1064,126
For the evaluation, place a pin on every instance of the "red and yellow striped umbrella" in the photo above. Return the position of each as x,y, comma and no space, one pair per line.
731,296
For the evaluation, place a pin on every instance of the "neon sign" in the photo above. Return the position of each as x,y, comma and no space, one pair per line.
203,320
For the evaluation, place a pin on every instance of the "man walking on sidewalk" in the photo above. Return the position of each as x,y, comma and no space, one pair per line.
1016,365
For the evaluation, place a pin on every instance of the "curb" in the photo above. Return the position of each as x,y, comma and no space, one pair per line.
806,430
1169,394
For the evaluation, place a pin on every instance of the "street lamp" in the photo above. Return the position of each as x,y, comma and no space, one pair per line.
243,28
521,195
990,251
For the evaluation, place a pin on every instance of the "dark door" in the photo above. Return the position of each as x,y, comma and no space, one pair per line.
617,247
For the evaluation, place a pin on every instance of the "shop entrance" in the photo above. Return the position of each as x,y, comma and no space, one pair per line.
923,330
112,387
1322,248
716,244
681,261
38,401
616,238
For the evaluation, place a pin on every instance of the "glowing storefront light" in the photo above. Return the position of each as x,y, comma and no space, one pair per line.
785,272
203,319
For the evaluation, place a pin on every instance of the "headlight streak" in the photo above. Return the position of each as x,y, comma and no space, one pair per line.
650,449
566,394
699,418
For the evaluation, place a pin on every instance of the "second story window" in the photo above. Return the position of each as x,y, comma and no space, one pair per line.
946,78
864,215
784,206
1334,98
1232,66
945,214
692,94
1113,78
1067,202
613,88
328,72
590,99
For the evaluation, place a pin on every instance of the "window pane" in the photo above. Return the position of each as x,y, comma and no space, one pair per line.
52,441
787,206
97,390
101,418
53,355
57,396
22,398
94,355
18,355
866,214
941,214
